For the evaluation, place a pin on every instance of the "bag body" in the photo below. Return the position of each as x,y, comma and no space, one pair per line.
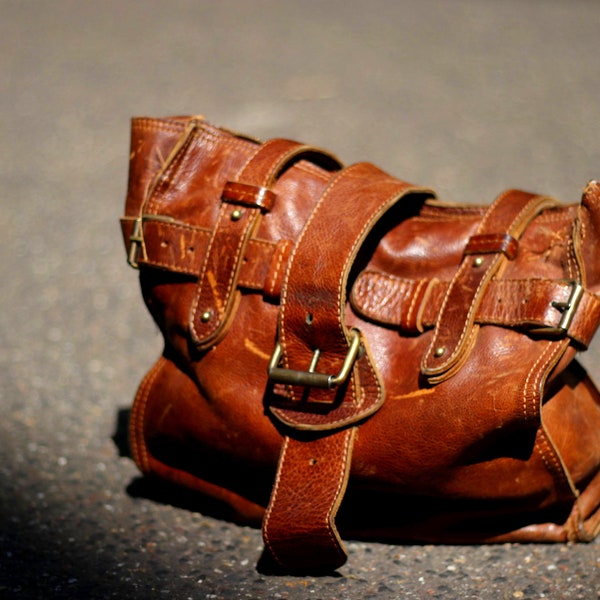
345,355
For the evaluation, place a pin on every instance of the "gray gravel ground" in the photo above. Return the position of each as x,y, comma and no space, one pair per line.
467,96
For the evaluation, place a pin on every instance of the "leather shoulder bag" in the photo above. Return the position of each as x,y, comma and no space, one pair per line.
347,356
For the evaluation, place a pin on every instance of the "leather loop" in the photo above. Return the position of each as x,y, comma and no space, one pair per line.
253,196
454,332
493,243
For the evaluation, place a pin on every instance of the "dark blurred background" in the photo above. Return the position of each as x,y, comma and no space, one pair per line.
469,97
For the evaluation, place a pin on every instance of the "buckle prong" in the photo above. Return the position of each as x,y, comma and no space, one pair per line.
136,240
311,378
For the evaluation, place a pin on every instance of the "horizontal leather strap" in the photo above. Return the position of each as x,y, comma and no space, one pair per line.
180,248
535,304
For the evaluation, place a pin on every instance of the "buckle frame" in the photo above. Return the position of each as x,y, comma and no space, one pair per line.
311,378
136,238
570,307
567,310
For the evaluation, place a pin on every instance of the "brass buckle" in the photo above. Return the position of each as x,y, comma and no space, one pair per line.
135,243
311,378
567,310
136,239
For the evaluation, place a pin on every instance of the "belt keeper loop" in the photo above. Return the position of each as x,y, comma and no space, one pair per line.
494,243
252,196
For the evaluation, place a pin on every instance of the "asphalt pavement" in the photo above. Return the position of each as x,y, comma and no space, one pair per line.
469,97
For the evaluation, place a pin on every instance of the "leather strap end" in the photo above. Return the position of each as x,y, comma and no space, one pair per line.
299,529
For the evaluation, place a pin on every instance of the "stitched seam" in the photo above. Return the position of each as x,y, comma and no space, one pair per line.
549,458
175,268
484,281
219,305
259,150
274,497
348,438
139,446
413,303
146,124
571,261
164,179
201,277
282,332
275,276
382,208
538,376
278,164
242,239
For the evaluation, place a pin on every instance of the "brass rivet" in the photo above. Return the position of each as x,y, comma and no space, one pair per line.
236,215
477,262
439,352
206,316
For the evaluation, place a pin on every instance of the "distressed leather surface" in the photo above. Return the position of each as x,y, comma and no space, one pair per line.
464,418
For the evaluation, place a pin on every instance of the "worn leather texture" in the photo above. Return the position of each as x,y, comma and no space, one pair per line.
347,356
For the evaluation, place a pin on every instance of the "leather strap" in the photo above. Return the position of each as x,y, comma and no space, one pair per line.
299,529
312,318
180,248
243,203
414,305
493,244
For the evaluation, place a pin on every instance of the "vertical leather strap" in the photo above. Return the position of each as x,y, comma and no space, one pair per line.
243,203
299,530
486,254
311,481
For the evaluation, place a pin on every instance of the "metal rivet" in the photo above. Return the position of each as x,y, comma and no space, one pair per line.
477,262
236,215
439,352
206,316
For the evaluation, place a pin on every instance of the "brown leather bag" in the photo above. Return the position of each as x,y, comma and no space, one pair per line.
343,352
